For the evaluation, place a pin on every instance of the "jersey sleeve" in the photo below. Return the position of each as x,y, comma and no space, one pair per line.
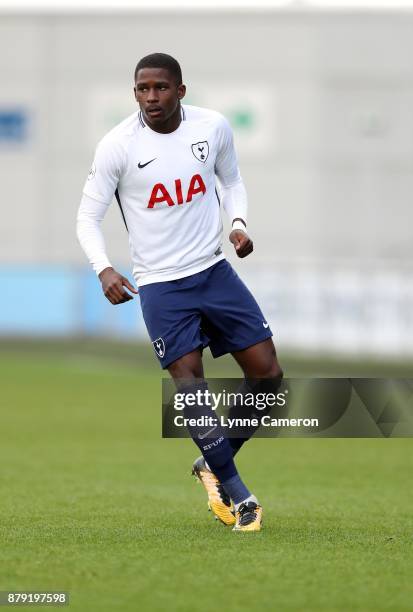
106,170
89,218
226,164
233,194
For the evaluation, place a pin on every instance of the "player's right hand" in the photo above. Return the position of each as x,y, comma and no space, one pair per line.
112,286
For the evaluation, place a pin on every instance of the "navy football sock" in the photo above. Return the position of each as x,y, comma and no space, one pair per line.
236,489
212,443
262,385
236,444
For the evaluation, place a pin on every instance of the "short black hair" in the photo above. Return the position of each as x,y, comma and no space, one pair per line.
161,60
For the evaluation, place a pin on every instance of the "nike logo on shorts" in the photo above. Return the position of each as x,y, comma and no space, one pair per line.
264,324
143,165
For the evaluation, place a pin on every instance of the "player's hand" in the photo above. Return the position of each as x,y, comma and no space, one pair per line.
242,243
112,286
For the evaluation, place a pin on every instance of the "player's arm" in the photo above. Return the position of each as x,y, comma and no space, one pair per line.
233,193
97,195
89,233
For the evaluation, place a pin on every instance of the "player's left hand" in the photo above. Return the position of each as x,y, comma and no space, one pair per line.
242,243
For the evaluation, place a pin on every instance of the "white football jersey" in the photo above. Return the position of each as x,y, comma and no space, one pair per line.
165,185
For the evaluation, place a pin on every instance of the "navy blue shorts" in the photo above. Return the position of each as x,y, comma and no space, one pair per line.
211,308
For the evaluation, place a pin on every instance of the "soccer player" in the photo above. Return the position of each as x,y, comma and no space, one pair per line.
162,163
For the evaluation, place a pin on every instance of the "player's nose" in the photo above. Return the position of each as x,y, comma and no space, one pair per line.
153,95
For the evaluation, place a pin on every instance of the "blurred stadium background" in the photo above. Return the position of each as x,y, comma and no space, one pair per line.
321,104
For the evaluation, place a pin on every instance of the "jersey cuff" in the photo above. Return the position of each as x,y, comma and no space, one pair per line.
239,225
101,265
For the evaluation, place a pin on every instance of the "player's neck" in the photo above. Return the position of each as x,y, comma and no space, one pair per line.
170,124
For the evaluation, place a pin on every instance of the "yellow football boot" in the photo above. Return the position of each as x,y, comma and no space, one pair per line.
248,517
218,501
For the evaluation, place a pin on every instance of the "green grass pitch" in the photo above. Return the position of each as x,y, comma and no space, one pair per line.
94,502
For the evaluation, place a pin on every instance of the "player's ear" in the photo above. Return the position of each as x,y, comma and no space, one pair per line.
181,91
134,93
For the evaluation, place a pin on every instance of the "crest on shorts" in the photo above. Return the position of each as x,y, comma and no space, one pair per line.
201,150
159,347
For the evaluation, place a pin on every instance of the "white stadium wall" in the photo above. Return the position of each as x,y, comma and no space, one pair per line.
322,109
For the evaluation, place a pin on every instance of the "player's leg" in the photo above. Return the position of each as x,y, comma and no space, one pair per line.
172,313
263,374
259,361
173,323
219,501
235,324
188,367
217,469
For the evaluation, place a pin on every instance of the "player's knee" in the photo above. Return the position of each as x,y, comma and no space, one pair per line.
273,371
268,367
187,367
258,387
262,362
184,372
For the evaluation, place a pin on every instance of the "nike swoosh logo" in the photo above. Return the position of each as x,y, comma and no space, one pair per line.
143,165
265,324
202,436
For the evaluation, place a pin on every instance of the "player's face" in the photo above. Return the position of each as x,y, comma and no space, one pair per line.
158,96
